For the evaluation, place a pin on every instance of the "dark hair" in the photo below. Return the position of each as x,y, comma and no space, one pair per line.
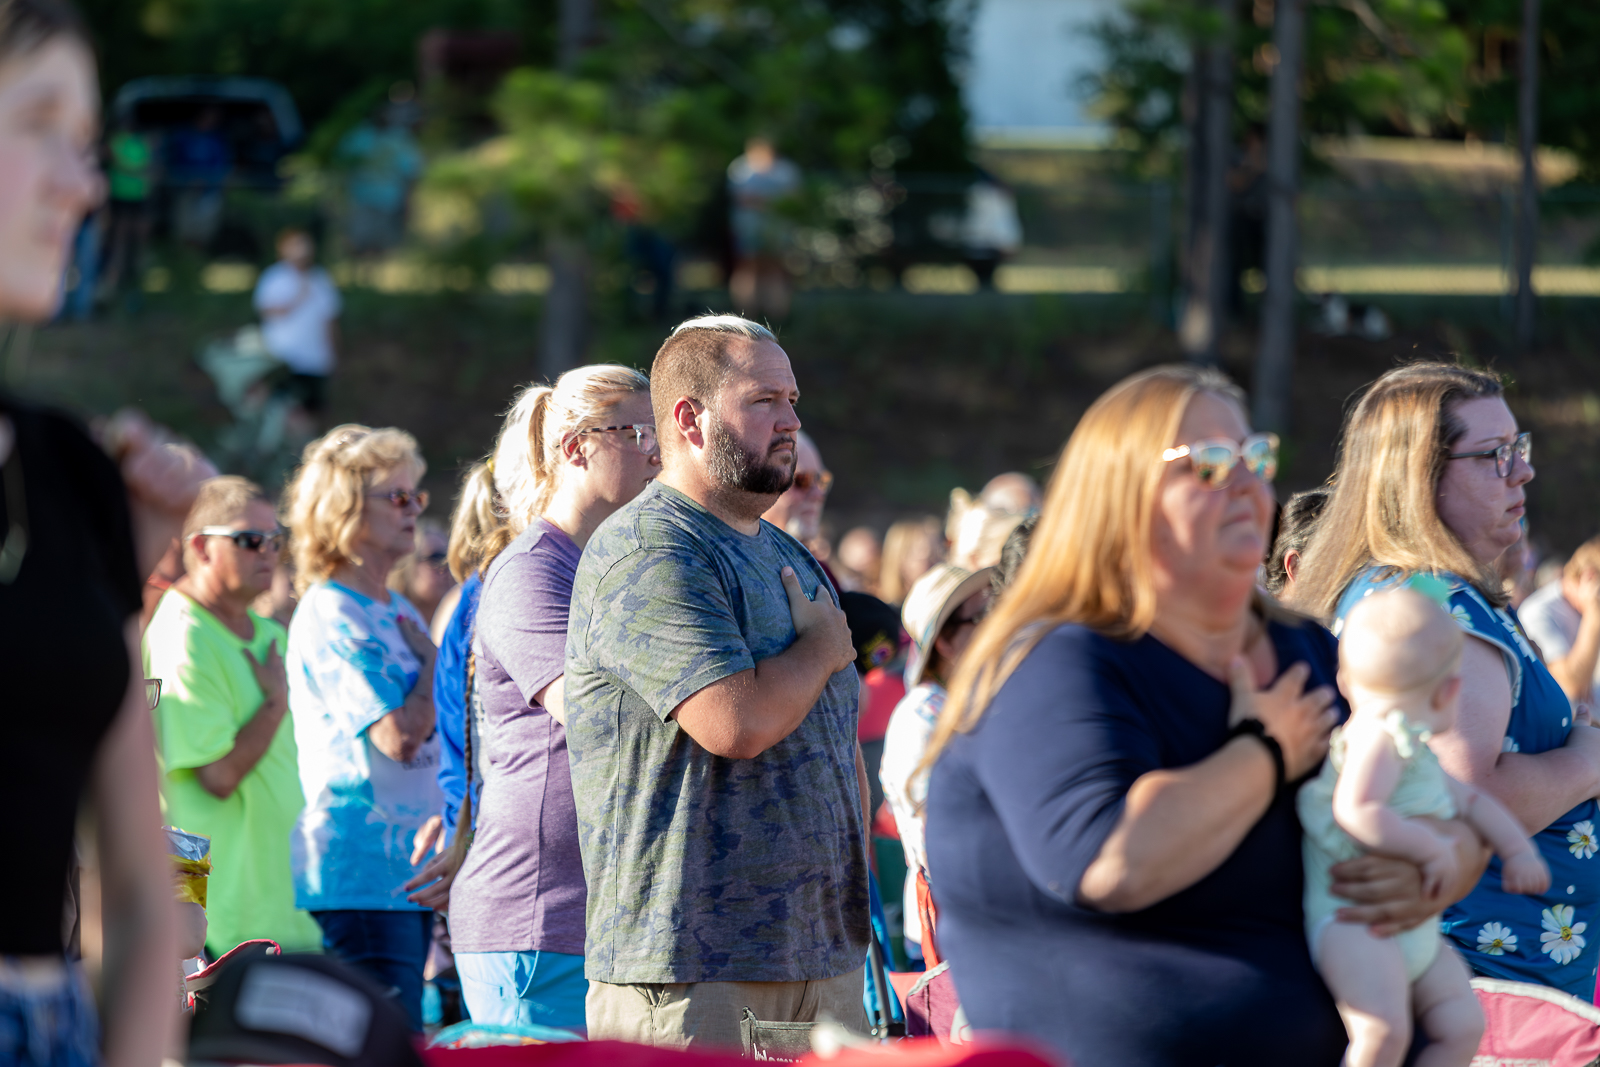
28,25
1295,526
1012,553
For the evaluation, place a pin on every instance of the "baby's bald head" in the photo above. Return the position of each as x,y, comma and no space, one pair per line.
1398,641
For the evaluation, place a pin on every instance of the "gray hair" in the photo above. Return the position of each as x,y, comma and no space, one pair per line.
727,324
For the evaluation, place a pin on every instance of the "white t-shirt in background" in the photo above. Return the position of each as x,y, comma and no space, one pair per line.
1552,623
299,336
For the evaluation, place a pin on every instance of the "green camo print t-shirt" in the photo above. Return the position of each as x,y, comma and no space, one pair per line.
703,869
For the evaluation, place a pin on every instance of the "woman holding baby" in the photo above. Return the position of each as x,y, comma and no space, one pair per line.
1111,817
1431,481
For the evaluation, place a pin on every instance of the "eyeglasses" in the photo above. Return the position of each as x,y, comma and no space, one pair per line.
804,480
1215,458
644,434
404,498
152,693
1520,445
248,540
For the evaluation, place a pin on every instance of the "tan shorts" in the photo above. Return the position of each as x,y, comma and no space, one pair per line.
707,1013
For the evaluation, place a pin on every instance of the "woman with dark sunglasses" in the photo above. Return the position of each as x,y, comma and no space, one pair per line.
1110,821
79,530
1432,479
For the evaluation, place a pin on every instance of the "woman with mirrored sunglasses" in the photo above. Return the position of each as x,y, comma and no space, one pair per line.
1432,480
1110,817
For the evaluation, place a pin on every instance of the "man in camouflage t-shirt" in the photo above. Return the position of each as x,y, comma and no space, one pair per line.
711,725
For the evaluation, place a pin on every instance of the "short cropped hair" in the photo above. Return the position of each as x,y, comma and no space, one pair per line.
221,500
28,25
693,362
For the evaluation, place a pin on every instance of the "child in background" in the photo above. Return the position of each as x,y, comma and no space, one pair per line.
1399,667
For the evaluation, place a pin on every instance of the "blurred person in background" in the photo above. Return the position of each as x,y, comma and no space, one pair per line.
568,456
875,634
860,554
132,173
941,612
1296,523
299,307
77,537
228,754
1012,493
1563,619
423,575
382,163
1012,553
199,160
798,511
472,524
910,548
758,182
278,600
361,669
1517,567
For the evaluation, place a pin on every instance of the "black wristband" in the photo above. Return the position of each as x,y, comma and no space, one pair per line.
1254,728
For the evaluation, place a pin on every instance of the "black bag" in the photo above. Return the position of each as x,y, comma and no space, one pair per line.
781,1042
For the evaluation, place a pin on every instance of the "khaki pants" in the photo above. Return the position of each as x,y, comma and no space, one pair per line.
707,1013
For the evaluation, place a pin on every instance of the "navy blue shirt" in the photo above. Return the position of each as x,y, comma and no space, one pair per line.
1018,808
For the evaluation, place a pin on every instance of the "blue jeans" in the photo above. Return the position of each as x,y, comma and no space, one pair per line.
523,988
391,947
47,1016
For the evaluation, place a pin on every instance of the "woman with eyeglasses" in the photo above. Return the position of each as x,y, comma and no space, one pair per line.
360,669
79,531
1431,479
568,456
1110,824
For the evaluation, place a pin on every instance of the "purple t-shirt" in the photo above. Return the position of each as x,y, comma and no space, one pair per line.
521,888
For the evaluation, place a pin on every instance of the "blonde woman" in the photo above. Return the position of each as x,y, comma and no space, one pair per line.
360,669
910,549
471,525
1110,819
568,456
1431,479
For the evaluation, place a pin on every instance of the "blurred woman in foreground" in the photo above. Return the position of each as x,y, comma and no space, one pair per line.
77,537
1110,818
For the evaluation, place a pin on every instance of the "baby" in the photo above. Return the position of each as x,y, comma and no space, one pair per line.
1399,667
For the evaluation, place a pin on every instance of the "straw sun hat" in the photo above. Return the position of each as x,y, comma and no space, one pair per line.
929,605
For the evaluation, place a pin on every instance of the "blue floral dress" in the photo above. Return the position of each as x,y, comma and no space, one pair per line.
1549,939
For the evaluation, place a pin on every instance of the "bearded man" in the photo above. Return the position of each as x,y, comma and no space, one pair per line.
711,725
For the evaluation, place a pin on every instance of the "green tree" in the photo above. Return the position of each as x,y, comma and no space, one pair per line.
1373,66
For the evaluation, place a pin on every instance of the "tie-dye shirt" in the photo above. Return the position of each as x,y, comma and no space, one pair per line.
348,667
700,868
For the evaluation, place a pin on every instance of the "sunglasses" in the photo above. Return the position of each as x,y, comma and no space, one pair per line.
1214,458
248,540
1504,456
404,498
806,480
644,434
152,693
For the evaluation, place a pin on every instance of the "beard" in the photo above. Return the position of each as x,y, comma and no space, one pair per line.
736,467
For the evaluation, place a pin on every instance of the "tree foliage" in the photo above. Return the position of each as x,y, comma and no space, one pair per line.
1372,66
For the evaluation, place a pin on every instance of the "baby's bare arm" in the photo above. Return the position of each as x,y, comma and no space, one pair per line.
1361,799
1523,870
